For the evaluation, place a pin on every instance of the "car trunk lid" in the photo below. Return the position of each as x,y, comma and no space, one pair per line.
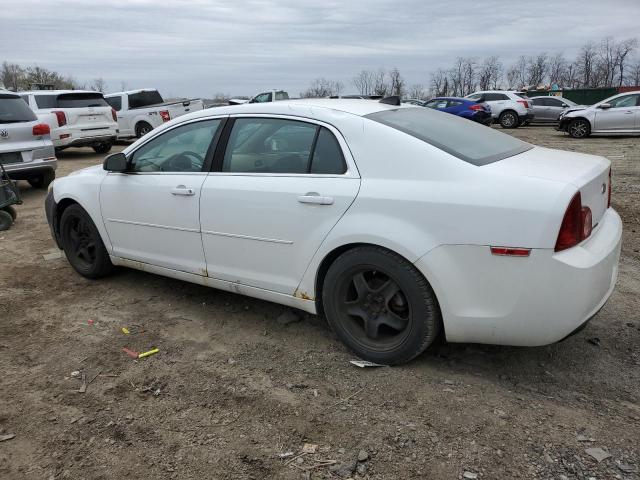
588,173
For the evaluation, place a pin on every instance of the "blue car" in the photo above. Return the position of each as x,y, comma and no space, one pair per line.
463,107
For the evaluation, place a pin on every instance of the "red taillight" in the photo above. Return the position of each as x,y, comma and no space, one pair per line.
165,115
524,102
610,188
576,224
41,129
61,117
475,107
511,252
114,114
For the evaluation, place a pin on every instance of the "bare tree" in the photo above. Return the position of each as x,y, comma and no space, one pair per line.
520,68
633,77
439,83
364,82
99,85
586,64
380,86
537,69
623,50
417,91
396,83
490,73
321,87
12,76
557,69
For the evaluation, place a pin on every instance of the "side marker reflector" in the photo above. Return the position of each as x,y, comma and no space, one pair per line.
510,252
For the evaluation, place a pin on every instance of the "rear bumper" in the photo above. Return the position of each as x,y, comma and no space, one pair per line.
83,137
27,170
523,301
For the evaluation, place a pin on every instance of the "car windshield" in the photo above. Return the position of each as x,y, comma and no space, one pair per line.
468,141
14,110
145,99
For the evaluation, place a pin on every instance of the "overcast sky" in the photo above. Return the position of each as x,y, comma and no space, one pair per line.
199,47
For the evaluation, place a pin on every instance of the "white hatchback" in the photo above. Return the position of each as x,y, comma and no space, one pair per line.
397,222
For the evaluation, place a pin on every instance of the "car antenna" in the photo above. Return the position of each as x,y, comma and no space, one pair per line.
393,100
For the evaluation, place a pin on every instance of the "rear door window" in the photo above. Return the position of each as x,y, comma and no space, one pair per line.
14,110
468,141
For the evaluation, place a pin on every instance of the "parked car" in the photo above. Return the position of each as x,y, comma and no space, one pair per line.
547,109
264,97
76,118
463,107
140,111
26,150
414,101
398,222
509,109
619,114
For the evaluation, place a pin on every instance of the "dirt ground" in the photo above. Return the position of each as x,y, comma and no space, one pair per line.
233,388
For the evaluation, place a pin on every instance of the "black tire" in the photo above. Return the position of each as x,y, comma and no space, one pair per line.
142,128
12,211
82,244
509,119
579,128
6,220
390,318
42,181
102,148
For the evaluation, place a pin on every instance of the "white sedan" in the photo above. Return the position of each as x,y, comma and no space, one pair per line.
397,222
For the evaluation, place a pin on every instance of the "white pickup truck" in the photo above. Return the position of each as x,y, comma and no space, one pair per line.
140,111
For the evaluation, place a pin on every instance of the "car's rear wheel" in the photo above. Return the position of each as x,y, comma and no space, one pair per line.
42,181
509,119
380,305
6,220
82,243
579,128
102,148
142,128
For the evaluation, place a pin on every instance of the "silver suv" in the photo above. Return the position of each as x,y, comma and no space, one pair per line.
26,150
509,109
619,114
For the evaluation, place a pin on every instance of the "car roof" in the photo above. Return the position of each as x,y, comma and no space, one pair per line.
7,92
54,92
452,98
301,107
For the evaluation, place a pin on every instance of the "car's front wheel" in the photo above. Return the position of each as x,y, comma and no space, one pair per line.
509,119
82,243
380,305
579,128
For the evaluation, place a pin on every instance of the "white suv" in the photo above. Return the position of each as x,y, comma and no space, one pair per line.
77,118
509,109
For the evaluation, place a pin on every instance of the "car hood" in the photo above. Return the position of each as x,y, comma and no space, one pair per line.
95,170
575,109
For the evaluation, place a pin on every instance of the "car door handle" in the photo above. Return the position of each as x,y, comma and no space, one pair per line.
313,197
184,191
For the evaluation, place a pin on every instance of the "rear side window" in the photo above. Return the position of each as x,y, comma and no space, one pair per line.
492,97
115,102
327,155
270,145
14,110
468,141
145,99
46,101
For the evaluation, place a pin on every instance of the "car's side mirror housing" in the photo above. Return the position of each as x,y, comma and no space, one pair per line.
564,105
116,162
604,106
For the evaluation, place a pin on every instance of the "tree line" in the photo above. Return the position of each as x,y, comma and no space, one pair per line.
17,77
607,63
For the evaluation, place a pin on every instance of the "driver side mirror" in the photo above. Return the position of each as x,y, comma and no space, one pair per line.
564,105
116,162
604,106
